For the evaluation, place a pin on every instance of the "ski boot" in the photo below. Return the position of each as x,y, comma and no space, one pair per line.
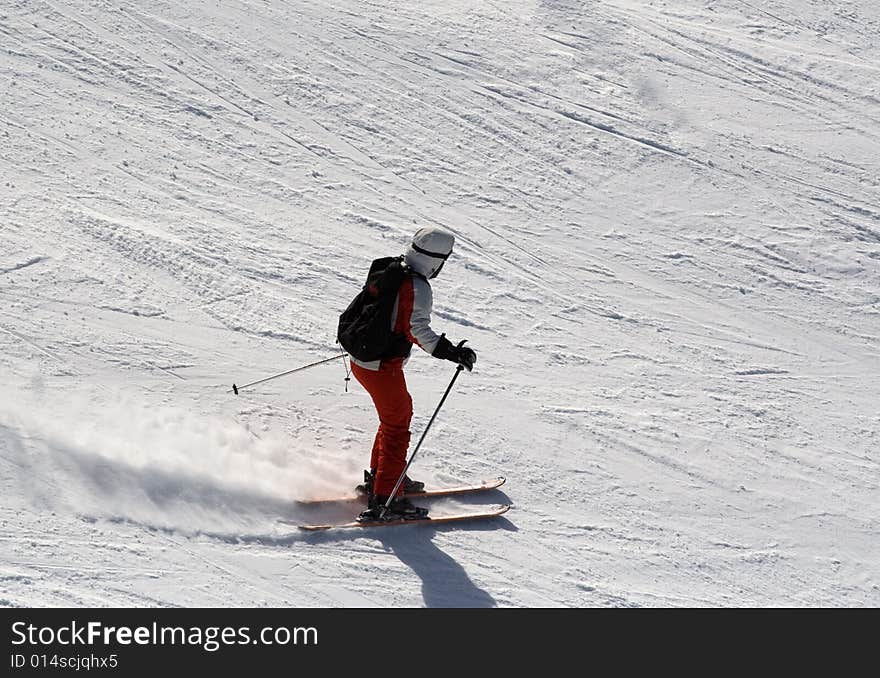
409,486
400,508
366,489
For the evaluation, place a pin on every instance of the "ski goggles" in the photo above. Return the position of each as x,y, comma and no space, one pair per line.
428,253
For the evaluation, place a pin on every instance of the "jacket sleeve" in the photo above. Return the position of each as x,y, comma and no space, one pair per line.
419,326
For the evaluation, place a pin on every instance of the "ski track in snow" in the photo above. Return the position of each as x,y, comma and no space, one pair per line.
668,228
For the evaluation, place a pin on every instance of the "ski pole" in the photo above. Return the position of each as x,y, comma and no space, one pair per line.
236,389
415,451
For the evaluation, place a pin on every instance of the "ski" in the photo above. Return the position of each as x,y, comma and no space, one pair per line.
432,520
482,486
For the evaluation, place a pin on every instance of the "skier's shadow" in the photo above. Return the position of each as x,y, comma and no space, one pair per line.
445,583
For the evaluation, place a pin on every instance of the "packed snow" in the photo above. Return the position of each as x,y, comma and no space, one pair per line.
667,221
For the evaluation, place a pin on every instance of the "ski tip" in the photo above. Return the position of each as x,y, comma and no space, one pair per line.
493,483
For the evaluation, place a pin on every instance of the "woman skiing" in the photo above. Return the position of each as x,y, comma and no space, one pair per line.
383,378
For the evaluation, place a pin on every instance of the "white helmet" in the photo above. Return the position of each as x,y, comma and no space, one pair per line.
429,249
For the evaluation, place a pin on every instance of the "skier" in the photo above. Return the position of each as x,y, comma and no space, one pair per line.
384,379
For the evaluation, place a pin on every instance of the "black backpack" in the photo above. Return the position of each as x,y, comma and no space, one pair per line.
365,326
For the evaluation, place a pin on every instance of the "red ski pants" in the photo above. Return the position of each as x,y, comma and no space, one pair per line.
387,388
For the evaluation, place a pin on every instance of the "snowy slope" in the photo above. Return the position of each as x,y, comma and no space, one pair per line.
668,261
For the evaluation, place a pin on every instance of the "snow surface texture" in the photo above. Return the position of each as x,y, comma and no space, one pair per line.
668,254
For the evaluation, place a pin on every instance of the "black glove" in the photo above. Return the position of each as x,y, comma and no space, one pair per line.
461,354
